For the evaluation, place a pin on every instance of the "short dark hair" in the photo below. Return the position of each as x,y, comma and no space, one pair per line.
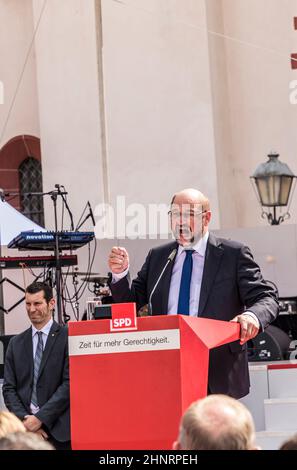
290,444
38,287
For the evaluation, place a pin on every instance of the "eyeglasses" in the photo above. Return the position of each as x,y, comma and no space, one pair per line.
184,214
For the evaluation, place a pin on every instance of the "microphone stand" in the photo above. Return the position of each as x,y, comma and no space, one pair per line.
89,215
54,196
169,260
63,194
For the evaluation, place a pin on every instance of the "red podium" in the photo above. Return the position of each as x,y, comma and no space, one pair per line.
129,389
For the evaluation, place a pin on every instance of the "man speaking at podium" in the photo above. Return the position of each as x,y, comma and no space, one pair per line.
202,275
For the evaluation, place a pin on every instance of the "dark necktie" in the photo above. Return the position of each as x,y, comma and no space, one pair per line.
185,285
37,362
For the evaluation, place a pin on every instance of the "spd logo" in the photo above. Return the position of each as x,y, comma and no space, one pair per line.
123,317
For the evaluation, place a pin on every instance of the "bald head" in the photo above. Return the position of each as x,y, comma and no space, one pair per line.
191,196
217,422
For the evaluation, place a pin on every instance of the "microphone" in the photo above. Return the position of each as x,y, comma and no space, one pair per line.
59,191
169,260
91,214
63,194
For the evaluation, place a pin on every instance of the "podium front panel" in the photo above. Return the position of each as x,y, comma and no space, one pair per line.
129,389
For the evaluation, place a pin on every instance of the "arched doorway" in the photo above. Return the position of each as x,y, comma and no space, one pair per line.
21,173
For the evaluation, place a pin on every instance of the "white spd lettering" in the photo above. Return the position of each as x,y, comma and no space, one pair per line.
121,322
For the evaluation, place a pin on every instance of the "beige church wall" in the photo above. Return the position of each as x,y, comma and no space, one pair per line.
68,89
158,100
19,109
260,38
227,190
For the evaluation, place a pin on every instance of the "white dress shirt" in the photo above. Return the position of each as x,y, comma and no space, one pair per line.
45,332
197,272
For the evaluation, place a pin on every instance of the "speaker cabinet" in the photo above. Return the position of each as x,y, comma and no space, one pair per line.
270,345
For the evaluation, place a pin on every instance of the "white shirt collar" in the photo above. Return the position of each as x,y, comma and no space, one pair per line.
45,329
200,246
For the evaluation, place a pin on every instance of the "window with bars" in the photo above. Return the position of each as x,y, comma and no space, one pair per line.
30,177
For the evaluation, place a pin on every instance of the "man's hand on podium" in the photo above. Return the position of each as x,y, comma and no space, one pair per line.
143,311
118,260
249,327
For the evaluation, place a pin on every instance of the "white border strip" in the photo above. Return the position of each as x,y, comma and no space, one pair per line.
156,340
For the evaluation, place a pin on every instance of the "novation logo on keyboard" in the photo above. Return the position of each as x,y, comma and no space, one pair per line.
40,236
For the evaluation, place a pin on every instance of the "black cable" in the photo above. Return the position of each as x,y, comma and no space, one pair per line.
85,284
63,209
71,303
83,213
82,288
75,295
64,198
90,268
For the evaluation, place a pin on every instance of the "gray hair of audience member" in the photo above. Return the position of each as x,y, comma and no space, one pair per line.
217,422
10,423
290,444
24,441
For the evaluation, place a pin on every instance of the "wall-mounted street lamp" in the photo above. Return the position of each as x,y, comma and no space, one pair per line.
273,182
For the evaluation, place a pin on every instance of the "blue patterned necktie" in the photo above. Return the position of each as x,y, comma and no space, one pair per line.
37,362
185,285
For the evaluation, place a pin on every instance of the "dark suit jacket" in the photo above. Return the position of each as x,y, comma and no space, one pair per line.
52,384
231,283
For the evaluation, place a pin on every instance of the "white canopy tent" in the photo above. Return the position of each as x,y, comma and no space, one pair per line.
12,222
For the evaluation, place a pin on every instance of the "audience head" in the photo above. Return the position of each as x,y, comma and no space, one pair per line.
217,422
290,444
24,441
10,423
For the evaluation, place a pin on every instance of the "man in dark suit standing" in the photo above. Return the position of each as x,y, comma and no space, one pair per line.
36,371
210,277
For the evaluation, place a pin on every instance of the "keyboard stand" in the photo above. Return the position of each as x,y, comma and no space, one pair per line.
2,308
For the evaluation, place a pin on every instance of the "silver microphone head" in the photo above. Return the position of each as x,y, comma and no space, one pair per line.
172,255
